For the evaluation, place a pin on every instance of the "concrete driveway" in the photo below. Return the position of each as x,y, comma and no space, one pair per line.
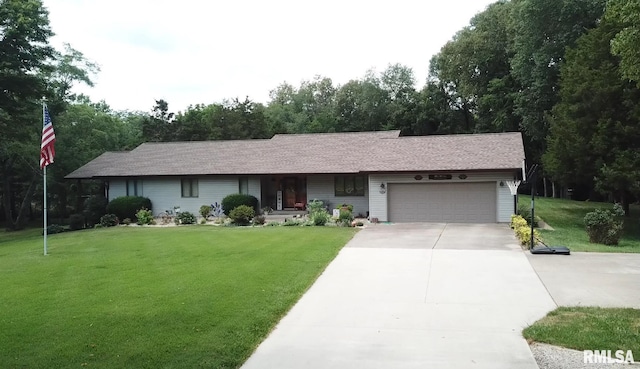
591,279
415,296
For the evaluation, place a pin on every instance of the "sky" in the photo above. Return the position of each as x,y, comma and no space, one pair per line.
191,52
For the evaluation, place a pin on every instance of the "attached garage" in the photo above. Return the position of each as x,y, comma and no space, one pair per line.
470,202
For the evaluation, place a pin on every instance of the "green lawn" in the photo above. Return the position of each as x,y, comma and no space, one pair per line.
566,217
187,297
588,328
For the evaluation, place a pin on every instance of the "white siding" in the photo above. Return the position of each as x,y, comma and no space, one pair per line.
378,202
117,188
505,203
321,187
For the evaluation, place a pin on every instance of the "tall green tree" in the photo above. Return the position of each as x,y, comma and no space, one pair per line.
25,57
543,30
361,105
474,69
595,130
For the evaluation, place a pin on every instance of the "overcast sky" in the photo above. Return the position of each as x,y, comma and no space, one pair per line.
197,51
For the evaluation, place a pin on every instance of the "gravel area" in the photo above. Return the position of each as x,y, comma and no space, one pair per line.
554,357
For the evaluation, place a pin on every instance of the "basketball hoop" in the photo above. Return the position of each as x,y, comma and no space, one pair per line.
513,187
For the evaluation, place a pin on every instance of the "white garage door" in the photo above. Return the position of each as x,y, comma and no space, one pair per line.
442,202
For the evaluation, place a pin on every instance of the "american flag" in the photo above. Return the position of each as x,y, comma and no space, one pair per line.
47,151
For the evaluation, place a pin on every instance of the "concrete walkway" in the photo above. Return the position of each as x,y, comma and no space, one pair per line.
415,296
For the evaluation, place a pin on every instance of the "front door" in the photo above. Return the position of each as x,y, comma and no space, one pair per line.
289,192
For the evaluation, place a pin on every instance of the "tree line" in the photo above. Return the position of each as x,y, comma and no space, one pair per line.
563,72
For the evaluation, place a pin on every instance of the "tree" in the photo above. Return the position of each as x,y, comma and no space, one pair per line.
398,81
543,30
625,13
25,55
596,124
474,70
361,105
157,126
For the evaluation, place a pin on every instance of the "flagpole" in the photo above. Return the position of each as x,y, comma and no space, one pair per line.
45,189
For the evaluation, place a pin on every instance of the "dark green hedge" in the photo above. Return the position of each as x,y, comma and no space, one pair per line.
233,201
127,206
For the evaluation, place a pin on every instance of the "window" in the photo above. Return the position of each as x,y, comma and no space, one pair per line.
134,188
189,187
243,185
349,185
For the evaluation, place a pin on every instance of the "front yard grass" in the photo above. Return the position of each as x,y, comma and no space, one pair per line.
589,328
176,297
566,217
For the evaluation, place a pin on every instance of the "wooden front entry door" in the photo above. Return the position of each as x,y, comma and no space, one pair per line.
289,192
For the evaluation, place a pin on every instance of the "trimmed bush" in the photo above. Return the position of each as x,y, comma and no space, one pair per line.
205,211
95,207
242,215
523,231
186,217
144,216
604,226
233,201
109,220
126,221
128,206
76,222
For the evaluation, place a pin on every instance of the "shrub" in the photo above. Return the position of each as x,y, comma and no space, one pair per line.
259,220
242,215
320,217
345,218
109,220
128,206
144,216
347,206
523,231
185,217
216,210
95,207
604,226
205,211
517,221
54,228
315,205
525,212
76,221
231,202
267,210
203,221
293,222
126,221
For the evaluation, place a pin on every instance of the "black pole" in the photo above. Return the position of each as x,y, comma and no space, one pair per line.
533,195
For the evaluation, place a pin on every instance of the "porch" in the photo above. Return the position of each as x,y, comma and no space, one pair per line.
286,195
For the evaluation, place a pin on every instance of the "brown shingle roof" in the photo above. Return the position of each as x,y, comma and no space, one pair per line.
381,151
